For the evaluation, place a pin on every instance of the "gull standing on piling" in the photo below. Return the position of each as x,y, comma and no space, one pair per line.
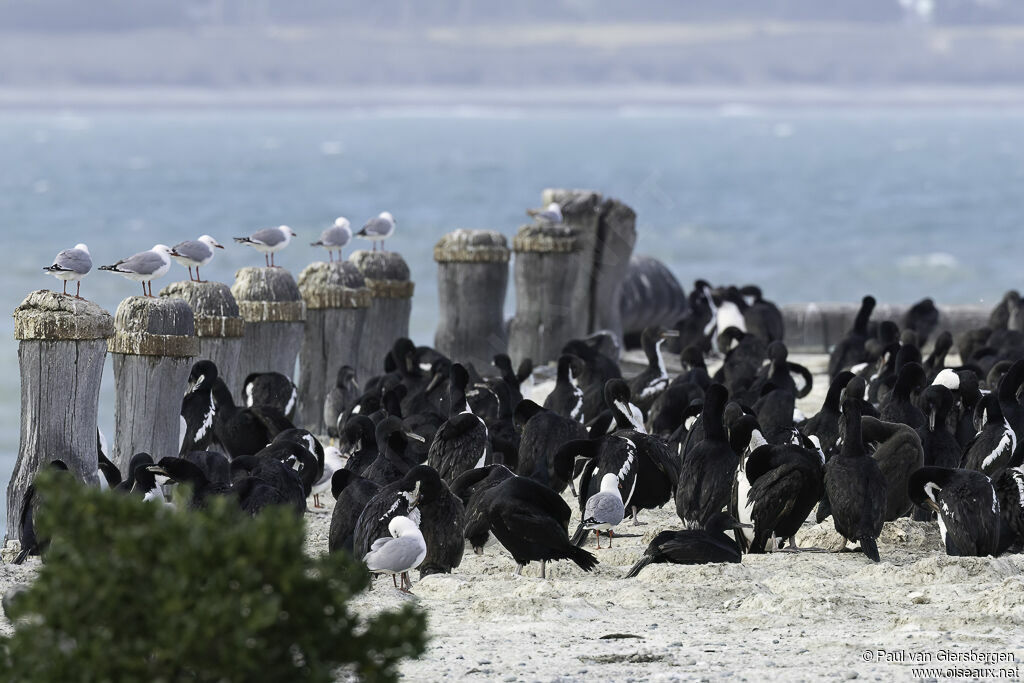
195,253
335,237
552,214
71,264
378,229
268,241
144,266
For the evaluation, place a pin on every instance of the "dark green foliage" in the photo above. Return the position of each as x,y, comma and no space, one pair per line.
133,591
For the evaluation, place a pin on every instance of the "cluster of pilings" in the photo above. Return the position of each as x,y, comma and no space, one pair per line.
337,314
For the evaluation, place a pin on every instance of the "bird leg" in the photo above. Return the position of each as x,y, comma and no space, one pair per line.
316,500
266,259
393,581
610,532
543,572
198,279
637,522
518,571
65,288
794,548
191,279
78,290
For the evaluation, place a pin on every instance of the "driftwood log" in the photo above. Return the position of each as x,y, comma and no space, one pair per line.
606,230
153,347
387,277
337,301
650,295
218,323
62,344
546,267
817,327
271,305
472,278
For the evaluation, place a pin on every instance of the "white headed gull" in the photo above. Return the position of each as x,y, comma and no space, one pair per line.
144,266
335,237
195,253
378,229
399,554
71,264
268,241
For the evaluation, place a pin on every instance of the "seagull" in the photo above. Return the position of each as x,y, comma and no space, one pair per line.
144,266
333,461
552,214
195,253
399,554
378,229
268,241
335,237
71,264
603,512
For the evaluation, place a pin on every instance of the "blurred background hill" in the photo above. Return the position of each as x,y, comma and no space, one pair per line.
324,46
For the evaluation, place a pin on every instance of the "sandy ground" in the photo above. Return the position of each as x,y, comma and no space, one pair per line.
783,616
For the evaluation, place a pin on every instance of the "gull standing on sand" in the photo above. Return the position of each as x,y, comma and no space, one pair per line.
268,241
552,214
378,229
71,264
144,266
335,237
603,512
195,253
399,554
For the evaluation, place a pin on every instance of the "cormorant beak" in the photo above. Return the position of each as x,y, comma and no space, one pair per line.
414,436
669,334
434,381
741,525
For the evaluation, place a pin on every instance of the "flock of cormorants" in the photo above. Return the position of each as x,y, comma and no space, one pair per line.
433,453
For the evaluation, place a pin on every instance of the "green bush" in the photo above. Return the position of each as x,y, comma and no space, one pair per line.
133,591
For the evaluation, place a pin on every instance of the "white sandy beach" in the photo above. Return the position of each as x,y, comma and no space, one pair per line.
783,616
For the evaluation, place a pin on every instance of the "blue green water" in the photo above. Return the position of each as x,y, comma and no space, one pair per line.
814,205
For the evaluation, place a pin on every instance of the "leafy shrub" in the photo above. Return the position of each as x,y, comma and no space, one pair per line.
133,591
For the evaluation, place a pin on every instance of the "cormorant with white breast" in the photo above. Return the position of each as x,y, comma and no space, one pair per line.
966,506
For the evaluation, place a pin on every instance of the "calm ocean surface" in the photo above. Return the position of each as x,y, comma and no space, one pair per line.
814,205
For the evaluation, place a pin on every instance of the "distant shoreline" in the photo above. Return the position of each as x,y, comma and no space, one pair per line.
613,99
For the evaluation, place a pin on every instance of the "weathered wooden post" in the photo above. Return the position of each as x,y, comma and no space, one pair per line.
616,238
580,212
472,277
337,301
62,344
546,267
274,313
154,346
605,235
387,277
218,323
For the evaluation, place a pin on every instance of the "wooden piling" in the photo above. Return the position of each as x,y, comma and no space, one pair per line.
546,267
337,301
472,278
218,323
62,344
387,277
153,347
271,305
605,231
